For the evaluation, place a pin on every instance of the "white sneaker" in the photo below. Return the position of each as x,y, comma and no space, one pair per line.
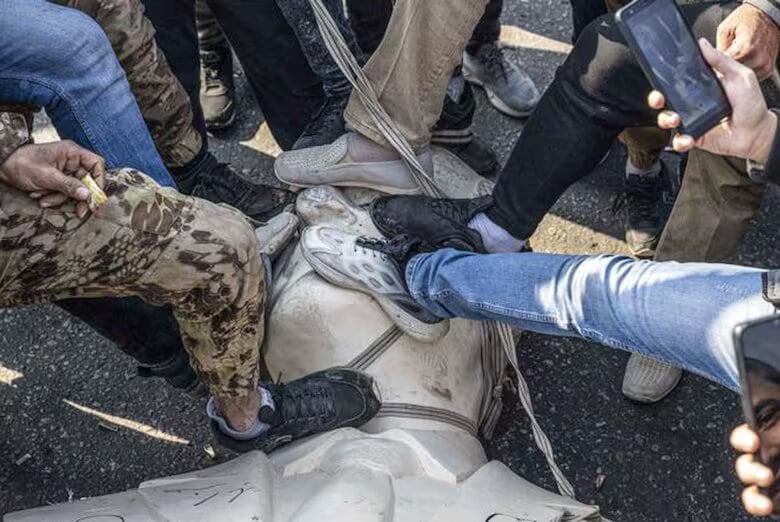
329,206
647,380
339,258
351,161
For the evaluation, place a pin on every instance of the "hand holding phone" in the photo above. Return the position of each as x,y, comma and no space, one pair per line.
750,130
666,50
758,355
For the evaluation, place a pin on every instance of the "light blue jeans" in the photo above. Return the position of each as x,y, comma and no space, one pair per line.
60,59
681,313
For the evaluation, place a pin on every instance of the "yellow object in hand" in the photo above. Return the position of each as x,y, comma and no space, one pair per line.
97,198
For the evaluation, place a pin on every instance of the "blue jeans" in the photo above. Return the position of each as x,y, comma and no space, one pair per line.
60,59
681,313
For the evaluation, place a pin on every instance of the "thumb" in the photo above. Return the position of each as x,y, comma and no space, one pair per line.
68,185
719,61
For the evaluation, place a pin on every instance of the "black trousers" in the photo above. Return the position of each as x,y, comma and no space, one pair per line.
280,77
598,91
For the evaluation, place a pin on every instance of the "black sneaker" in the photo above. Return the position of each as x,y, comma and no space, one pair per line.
641,201
178,373
217,91
326,125
260,202
316,403
437,223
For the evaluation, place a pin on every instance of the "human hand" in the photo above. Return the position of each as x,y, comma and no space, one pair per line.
751,473
752,38
51,173
750,130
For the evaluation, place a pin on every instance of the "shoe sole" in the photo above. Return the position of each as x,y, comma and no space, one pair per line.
220,125
412,327
364,167
494,100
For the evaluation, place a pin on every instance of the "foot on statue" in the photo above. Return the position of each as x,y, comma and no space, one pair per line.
351,161
373,267
436,223
316,403
326,125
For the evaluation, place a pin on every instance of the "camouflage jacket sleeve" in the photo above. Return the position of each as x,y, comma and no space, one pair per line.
770,7
163,101
15,131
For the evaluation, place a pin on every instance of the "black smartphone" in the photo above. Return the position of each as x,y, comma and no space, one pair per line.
670,57
758,355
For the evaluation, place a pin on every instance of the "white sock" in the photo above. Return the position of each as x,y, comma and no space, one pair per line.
653,171
252,433
496,239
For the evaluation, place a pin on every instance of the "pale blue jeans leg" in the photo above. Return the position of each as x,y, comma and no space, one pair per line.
682,313
60,59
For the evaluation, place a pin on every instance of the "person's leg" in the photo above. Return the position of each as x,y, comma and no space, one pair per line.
327,123
164,247
599,91
716,204
413,64
177,37
508,87
681,313
583,12
81,85
283,83
217,92
369,20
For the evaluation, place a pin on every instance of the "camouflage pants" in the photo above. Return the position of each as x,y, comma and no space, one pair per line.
154,243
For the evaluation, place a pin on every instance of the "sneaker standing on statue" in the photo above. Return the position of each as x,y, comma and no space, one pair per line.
508,87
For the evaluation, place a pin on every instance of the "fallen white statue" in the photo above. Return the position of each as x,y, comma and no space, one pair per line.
418,460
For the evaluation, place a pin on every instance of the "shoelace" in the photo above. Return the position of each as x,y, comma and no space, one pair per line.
493,59
211,61
312,402
398,249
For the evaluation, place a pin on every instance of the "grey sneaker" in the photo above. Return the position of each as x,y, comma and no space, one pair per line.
347,261
316,403
217,92
647,380
326,205
508,87
350,161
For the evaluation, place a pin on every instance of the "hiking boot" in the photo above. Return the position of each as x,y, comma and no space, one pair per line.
316,403
647,380
217,92
641,201
221,184
508,87
436,223
355,263
351,161
326,126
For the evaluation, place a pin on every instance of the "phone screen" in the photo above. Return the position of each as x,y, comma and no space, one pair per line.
760,346
675,63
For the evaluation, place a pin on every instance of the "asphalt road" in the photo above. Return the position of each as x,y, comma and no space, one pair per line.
665,462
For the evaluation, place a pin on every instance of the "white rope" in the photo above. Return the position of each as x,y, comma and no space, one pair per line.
341,54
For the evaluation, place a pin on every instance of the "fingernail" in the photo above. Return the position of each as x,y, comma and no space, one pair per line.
82,193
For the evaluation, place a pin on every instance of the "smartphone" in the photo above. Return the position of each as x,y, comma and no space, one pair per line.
757,345
669,55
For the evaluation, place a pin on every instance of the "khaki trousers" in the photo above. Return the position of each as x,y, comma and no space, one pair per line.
411,68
